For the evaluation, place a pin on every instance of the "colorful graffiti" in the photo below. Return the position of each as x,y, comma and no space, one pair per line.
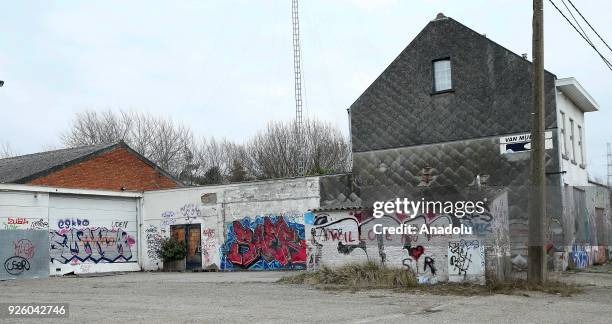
76,245
579,256
353,235
267,242
15,223
421,263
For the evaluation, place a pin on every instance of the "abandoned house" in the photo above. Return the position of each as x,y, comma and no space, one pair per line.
448,119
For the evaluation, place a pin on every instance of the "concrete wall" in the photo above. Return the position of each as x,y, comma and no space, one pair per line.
24,254
229,216
338,237
587,227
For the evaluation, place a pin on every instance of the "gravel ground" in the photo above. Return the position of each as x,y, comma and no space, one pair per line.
254,297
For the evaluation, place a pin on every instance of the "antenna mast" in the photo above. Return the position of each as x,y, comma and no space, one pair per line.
297,70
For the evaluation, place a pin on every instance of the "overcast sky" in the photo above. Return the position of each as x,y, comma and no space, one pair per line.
225,67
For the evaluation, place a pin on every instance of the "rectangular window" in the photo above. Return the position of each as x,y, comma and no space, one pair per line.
442,75
572,139
580,146
563,139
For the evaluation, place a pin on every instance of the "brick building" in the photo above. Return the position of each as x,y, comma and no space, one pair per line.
105,166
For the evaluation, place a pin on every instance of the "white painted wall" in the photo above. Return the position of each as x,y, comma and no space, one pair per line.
163,208
89,234
58,211
23,210
576,175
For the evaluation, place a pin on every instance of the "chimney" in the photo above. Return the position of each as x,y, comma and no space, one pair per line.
524,55
440,16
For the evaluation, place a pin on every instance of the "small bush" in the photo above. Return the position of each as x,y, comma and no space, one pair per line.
172,249
356,276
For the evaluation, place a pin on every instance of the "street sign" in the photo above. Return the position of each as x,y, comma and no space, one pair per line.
521,143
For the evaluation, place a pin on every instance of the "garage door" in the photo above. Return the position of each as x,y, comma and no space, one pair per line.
92,234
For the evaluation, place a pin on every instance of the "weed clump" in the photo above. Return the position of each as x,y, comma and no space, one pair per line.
369,275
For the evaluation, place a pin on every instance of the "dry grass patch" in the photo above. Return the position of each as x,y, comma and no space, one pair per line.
370,275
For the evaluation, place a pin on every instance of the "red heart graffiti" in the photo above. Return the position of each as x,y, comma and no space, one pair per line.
416,252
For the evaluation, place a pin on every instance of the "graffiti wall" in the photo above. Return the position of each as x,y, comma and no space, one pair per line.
343,236
24,210
23,254
89,234
245,226
587,227
264,243
466,260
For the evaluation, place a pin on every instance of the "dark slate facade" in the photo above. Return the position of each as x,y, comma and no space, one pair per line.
410,142
491,93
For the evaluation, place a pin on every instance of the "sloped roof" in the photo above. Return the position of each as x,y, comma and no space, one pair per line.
21,169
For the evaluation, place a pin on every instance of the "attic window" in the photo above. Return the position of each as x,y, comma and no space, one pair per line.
442,75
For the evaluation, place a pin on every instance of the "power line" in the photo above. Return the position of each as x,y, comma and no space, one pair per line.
608,64
576,20
593,29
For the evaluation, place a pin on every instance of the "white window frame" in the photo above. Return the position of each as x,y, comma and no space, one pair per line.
440,72
573,139
563,135
580,146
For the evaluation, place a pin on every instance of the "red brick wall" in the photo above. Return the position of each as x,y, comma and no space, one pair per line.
110,170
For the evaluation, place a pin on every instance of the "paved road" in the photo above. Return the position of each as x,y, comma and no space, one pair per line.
254,298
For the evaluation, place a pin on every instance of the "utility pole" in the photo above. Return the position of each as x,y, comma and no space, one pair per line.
536,265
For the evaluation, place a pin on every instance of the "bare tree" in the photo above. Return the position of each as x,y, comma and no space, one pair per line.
271,153
161,140
275,151
7,150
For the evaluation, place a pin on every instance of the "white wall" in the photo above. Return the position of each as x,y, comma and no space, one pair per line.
214,207
24,210
576,174
89,234
80,223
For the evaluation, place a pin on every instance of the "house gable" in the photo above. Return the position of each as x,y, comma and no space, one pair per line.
491,93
